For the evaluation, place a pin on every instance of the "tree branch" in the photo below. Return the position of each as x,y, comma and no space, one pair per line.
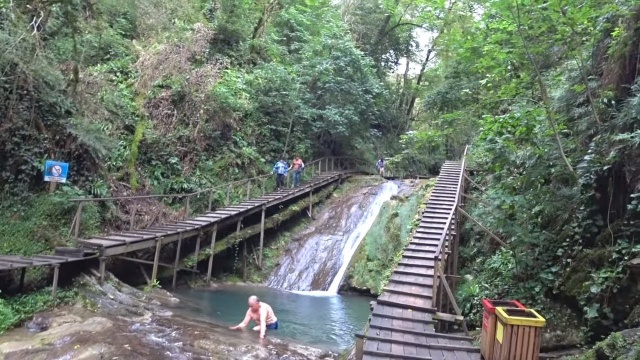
543,91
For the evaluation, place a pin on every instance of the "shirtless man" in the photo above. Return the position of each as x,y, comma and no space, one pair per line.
262,314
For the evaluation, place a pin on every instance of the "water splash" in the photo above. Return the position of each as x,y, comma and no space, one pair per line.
320,256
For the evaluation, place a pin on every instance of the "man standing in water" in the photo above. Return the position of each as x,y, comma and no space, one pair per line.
262,314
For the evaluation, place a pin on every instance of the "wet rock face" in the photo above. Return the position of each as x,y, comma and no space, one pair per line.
126,323
38,323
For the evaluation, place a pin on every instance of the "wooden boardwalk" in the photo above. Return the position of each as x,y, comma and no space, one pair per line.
324,172
403,321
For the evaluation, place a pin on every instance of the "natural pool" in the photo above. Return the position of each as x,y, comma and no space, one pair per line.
315,319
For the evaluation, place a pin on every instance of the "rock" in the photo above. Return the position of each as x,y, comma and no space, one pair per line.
95,324
38,323
95,351
65,319
164,297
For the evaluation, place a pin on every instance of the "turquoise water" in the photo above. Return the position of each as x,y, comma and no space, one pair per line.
318,320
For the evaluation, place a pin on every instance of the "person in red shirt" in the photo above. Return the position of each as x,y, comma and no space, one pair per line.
297,165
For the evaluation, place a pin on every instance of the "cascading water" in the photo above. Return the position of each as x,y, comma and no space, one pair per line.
319,258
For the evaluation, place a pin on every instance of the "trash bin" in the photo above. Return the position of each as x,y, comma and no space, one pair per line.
488,335
518,334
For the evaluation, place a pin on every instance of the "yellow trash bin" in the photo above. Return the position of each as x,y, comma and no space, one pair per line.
518,334
488,335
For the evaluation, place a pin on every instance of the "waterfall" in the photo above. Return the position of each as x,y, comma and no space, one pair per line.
319,256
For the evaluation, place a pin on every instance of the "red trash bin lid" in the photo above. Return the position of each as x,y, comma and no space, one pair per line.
491,305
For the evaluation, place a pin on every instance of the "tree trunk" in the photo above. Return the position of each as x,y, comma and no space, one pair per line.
269,9
412,102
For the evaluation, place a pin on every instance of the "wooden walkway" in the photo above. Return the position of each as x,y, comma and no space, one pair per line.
324,172
403,321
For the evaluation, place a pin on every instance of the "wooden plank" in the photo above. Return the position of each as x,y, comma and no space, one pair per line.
401,313
411,290
128,235
113,238
406,302
407,341
413,270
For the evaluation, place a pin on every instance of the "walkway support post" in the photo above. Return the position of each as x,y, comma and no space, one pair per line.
56,273
76,230
103,266
261,235
213,244
156,259
311,204
23,272
198,240
176,262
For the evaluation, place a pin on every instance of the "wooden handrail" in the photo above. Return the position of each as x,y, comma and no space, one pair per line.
341,162
453,209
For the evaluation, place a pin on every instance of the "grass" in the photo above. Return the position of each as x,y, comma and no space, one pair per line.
18,309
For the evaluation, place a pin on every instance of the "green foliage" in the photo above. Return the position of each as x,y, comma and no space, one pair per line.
17,309
41,223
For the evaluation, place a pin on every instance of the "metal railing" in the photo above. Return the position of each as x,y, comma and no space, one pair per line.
449,243
230,193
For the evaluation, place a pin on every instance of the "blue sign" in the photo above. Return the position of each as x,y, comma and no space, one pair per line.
55,171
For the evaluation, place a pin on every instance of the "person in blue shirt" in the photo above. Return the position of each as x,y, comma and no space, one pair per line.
280,169
380,166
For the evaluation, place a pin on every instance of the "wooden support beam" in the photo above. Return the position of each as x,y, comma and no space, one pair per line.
454,303
482,227
56,274
311,204
103,266
176,262
23,272
474,183
261,236
156,260
147,262
213,244
198,240
144,273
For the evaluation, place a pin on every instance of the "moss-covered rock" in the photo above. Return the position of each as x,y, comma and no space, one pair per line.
624,345
574,280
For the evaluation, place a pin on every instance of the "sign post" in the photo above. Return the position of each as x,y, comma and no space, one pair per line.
55,172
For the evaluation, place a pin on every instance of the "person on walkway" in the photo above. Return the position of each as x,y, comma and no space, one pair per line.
280,169
380,166
262,314
297,166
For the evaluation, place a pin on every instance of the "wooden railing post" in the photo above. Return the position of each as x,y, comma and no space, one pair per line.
248,189
210,198
133,218
186,210
76,230
228,195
